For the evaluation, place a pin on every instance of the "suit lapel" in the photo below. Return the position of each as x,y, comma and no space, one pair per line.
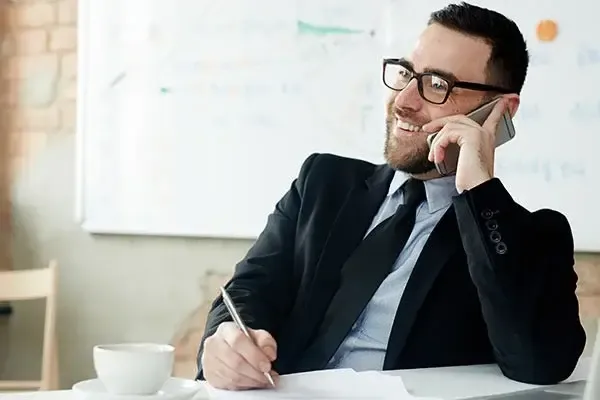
350,226
440,246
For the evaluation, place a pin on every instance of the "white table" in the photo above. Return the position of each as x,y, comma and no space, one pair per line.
470,381
444,383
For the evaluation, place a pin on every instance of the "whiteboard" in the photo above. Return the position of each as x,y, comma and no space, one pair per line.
194,116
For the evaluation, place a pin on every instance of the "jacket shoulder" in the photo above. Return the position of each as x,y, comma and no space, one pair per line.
332,169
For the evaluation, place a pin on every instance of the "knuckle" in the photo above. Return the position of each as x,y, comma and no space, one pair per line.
261,332
209,342
211,345
262,336
237,340
223,327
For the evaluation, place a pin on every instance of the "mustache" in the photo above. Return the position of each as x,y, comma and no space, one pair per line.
406,115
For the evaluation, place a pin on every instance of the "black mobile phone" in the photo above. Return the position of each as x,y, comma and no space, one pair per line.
504,133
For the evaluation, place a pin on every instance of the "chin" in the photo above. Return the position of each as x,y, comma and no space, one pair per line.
411,168
408,152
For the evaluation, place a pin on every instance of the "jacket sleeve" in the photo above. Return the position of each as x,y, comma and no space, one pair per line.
263,285
522,264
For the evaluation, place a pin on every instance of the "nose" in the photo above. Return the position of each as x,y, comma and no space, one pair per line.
409,97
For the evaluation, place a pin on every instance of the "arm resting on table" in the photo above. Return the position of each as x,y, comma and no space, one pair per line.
522,265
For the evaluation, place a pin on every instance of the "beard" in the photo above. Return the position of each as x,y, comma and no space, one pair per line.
407,153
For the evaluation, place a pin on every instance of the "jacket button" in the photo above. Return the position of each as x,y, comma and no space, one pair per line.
501,248
495,236
491,224
487,213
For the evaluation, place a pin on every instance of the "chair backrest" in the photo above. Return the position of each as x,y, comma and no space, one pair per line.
30,285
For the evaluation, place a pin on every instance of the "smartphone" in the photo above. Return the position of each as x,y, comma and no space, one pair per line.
504,133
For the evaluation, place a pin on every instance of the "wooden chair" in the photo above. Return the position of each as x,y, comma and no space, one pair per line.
29,285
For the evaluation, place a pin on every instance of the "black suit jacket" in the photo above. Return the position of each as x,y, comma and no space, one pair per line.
494,284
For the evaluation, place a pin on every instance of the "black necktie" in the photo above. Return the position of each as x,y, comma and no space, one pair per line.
361,275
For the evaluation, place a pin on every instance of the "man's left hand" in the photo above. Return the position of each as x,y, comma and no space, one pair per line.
477,145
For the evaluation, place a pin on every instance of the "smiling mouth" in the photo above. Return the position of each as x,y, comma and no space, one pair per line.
406,126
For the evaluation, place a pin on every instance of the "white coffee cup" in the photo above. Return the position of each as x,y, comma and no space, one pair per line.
133,368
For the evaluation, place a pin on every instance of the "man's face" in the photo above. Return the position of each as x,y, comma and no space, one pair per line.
438,48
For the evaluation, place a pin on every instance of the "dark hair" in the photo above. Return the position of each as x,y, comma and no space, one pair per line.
509,59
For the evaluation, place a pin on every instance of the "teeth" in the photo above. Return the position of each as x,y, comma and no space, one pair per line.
406,126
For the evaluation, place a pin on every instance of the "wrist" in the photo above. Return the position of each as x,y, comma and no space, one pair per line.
473,181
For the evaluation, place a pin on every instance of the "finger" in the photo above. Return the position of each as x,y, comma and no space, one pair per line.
433,145
270,352
218,374
243,346
222,376
440,123
237,362
491,123
451,133
435,152
266,342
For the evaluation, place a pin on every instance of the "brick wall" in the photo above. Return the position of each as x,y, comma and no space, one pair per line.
5,233
38,70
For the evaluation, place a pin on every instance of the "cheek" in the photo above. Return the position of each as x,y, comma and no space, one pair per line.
390,103
439,111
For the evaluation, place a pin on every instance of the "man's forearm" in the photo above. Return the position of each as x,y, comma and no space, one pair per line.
522,266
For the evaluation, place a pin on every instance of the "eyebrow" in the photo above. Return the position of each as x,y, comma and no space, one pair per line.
436,71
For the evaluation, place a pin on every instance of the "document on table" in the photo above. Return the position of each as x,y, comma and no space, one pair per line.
327,384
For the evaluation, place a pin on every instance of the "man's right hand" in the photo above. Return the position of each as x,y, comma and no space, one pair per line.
231,361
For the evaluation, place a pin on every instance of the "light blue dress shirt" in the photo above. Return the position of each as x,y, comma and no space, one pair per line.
365,346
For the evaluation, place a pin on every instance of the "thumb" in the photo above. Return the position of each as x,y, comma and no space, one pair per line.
266,342
491,123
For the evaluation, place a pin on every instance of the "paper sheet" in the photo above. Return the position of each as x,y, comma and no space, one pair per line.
327,384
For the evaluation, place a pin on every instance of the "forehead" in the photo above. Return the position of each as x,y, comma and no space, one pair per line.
448,50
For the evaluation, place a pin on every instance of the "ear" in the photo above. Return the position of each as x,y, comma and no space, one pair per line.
513,100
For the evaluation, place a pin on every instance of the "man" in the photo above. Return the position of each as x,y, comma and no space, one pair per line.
478,280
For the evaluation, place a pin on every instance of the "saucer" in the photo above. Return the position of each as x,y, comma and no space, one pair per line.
173,389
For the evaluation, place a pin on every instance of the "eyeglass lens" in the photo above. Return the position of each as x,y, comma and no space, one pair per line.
434,88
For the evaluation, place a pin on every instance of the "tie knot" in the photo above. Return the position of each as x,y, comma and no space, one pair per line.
414,192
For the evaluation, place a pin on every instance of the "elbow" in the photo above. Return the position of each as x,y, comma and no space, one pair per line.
550,366
541,375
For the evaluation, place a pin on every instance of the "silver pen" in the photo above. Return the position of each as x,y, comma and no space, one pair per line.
238,321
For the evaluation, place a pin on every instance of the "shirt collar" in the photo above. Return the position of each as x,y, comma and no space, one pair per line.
438,191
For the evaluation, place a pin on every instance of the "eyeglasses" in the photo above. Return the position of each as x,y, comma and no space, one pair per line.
432,86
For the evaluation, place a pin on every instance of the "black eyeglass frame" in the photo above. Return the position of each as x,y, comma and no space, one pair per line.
452,83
